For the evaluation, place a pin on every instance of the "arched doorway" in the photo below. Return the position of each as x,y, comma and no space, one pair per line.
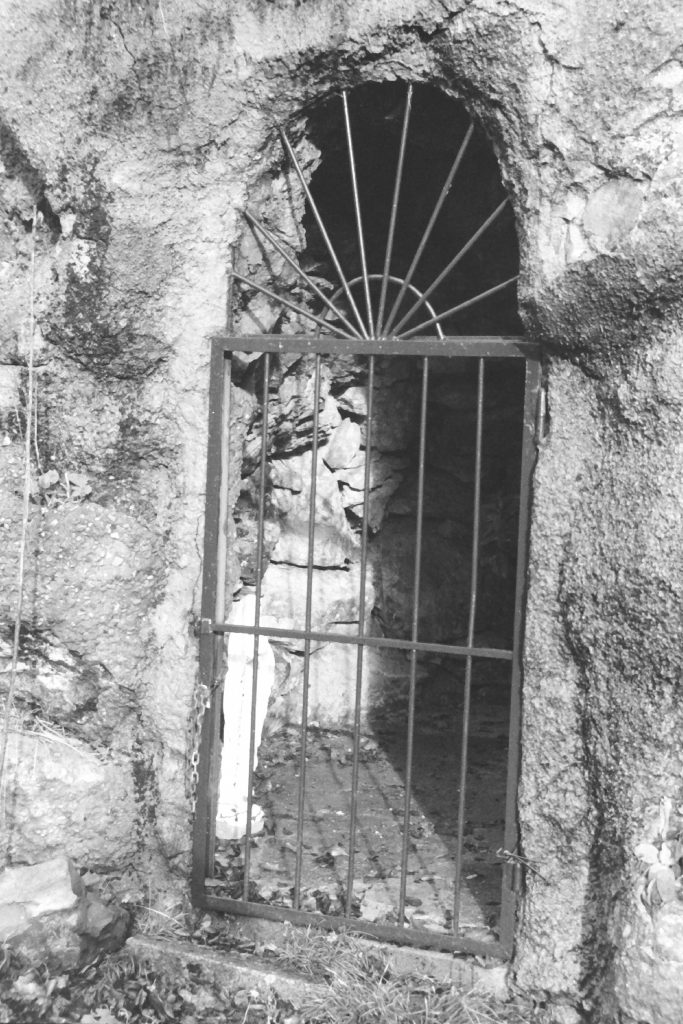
365,546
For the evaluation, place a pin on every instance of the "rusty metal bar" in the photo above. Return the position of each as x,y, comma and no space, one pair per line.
218,682
413,636
450,346
428,230
263,471
474,573
361,627
367,641
326,237
394,209
451,266
304,276
511,836
383,932
456,309
290,305
359,220
307,640
201,864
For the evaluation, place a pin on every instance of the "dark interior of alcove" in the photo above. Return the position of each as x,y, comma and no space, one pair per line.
438,125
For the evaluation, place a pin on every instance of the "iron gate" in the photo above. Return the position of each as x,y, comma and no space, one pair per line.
229,886
358,760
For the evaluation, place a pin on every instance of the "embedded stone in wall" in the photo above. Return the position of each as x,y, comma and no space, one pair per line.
27,892
291,491
332,548
62,690
332,686
354,400
344,445
386,475
649,974
65,796
335,596
94,571
334,542
290,410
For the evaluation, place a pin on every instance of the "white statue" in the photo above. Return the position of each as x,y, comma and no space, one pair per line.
231,817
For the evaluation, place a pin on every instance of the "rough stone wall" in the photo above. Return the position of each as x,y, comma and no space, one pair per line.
139,129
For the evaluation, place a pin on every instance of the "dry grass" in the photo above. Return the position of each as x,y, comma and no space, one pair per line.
363,990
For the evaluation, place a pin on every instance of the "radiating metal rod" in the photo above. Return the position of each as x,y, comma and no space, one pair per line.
394,210
361,628
457,309
359,219
451,266
326,237
413,636
263,472
474,573
302,274
376,339
428,230
307,642
292,305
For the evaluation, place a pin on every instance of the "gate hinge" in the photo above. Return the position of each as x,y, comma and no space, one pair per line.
205,626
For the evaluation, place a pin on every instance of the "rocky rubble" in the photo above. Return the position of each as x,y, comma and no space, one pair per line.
47,912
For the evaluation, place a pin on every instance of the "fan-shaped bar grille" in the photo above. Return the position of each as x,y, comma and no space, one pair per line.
357,309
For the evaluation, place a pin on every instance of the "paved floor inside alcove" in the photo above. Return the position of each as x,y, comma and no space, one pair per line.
380,811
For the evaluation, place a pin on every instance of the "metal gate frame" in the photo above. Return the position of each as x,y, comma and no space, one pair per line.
213,627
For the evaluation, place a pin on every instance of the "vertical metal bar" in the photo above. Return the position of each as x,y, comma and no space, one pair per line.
428,230
394,209
451,266
529,437
325,236
219,641
470,642
361,631
257,616
307,642
414,637
200,848
359,220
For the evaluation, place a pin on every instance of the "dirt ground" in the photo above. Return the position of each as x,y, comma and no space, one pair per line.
376,872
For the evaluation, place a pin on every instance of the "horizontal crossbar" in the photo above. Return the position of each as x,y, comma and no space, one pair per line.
276,632
407,936
476,346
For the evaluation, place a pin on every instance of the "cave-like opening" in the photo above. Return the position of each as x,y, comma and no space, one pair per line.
374,525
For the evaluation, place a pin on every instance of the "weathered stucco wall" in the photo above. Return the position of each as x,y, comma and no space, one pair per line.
140,129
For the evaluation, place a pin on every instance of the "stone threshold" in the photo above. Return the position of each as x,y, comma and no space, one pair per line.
468,973
228,969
